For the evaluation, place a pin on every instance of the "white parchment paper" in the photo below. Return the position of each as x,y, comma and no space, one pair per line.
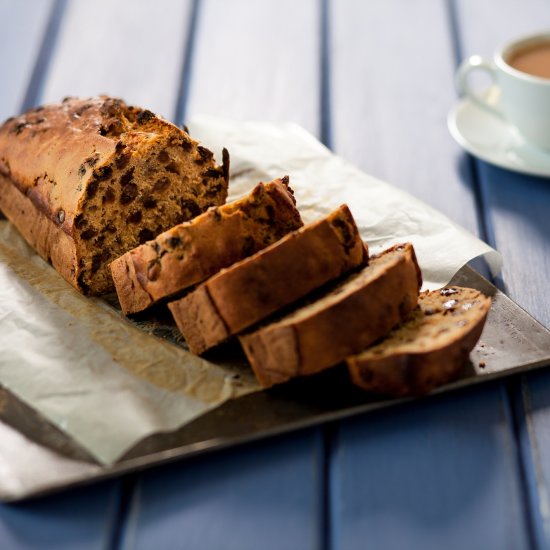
108,384
322,181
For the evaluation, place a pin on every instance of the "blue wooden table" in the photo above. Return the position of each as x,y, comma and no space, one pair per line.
373,79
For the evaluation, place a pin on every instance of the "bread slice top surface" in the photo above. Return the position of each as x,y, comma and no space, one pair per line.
341,228
442,318
377,267
260,204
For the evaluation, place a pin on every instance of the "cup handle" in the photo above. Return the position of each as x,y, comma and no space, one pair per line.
475,63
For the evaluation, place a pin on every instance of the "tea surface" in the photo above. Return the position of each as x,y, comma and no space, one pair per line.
533,60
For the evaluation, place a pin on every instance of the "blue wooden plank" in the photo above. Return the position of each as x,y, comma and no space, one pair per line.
23,26
391,89
133,49
97,50
531,418
257,60
516,211
423,476
257,496
87,518
516,206
77,520
418,477
250,60
533,406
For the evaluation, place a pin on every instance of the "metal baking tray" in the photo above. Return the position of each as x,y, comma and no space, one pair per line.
43,459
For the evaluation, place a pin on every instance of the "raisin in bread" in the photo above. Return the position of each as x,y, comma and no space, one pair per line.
357,312
250,290
88,179
429,349
191,252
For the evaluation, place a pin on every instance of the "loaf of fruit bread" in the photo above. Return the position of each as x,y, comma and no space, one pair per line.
429,349
357,312
250,290
88,179
191,252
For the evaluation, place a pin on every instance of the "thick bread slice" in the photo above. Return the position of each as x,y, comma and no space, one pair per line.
191,252
429,349
250,290
88,179
359,311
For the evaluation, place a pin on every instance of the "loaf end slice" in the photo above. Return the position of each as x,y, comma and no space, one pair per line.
258,286
86,180
429,349
357,312
189,253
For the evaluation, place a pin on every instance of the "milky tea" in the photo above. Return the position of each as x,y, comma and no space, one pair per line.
533,59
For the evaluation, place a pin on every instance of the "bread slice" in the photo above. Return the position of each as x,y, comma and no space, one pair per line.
88,179
250,290
358,311
429,349
191,252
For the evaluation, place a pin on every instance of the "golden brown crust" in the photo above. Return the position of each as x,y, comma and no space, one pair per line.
199,321
357,312
277,276
39,231
191,252
104,173
413,359
127,285
43,150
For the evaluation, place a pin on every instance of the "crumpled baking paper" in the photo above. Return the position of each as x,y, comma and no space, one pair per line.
108,384
322,181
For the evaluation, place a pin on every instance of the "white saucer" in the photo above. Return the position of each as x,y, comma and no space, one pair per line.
488,137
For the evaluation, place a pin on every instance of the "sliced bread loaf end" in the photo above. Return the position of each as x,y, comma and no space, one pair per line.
429,349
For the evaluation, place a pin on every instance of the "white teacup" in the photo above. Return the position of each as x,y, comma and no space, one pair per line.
521,72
